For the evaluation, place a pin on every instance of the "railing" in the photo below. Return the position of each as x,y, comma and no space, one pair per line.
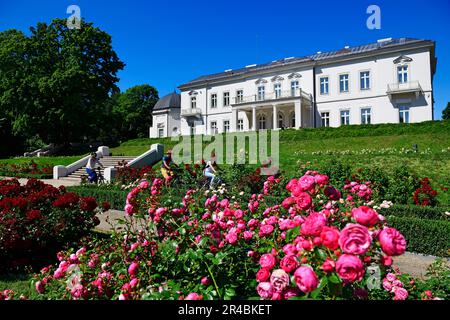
191,112
411,86
274,95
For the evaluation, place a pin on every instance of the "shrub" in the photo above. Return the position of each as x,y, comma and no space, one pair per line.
431,237
28,170
412,211
36,219
425,195
114,196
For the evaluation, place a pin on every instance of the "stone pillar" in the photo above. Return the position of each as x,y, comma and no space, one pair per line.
298,114
234,120
254,119
103,150
275,117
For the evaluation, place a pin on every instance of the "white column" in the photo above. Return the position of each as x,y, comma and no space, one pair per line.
298,114
254,118
234,120
275,117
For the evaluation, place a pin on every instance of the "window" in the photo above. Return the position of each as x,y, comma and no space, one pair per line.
214,127
193,102
261,92
240,96
240,125
345,117
403,113
226,126
294,88
343,83
262,122
226,99
280,120
402,74
324,85
214,100
365,116
277,90
365,80
325,119
161,132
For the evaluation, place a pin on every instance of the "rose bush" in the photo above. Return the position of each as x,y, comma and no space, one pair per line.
37,218
318,242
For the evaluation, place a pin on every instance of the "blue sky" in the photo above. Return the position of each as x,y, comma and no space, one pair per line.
167,43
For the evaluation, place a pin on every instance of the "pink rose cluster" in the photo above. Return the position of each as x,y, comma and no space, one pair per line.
132,203
393,285
361,190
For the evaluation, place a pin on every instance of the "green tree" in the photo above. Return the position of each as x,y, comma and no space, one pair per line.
446,112
133,111
54,83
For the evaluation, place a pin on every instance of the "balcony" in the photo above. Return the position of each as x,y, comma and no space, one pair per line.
269,96
404,88
191,112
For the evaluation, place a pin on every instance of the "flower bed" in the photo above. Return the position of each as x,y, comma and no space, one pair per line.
26,170
36,219
319,242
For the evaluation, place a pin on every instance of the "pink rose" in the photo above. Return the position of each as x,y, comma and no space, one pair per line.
290,249
392,242
224,203
330,237
306,279
231,237
365,216
134,282
400,293
303,201
313,224
263,275
289,263
290,293
355,239
267,261
265,230
193,296
391,277
132,269
307,182
143,185
386,261
328,265
350,268
291,185
387,285
265,290
279,280
288,202
40,288
321,179
205,281
129,209
248,235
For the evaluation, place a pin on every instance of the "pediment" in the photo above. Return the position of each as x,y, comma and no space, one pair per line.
294,75
193,93
402,59
277,78
259,81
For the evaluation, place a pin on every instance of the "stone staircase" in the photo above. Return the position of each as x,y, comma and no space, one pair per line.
107,161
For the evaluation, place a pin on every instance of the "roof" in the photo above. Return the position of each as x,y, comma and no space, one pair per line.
169,101
317,58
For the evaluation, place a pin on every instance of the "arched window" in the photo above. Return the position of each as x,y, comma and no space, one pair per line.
262,122
280,120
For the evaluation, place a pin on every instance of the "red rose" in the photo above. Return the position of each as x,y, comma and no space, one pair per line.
330,237
313,224
289,263
262,275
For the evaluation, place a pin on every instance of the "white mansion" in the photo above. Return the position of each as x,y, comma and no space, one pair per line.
390,81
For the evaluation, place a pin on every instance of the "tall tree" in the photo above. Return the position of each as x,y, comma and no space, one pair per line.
446,112
134,111
55,82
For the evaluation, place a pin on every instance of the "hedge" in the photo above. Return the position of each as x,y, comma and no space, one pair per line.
431,237
412,211
116,198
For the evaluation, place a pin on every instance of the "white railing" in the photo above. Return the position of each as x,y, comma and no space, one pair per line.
405,86
191,112
274,95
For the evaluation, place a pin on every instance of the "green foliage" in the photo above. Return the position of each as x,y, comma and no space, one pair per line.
114,196
423,235
413,211
446,112
132,111
54,83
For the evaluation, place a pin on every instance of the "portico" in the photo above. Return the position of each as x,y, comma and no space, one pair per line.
291,109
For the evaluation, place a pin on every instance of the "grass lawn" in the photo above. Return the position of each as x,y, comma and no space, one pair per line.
18,283
42,160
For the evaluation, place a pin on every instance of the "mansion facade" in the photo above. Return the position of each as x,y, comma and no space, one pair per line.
390,81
